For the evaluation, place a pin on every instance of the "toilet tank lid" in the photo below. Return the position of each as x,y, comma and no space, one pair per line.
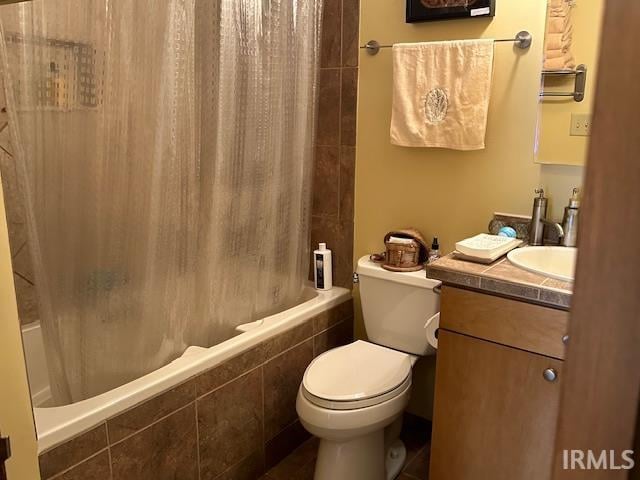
367,268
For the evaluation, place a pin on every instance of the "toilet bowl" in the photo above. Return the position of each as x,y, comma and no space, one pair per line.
352,397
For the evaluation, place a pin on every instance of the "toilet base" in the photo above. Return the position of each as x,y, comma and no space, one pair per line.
396,456
361,458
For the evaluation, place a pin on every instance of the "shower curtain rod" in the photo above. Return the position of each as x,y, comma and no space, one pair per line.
522,40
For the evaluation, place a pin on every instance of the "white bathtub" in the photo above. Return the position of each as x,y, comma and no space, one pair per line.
57,424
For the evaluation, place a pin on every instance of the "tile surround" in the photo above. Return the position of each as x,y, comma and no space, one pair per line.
233,421
230,424
73,452
166,450
97,467
332,216
284,443
150,411
282,377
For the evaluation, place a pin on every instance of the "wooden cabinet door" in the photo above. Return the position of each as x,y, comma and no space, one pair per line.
495,413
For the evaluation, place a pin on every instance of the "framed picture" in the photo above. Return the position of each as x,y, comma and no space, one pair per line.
430,10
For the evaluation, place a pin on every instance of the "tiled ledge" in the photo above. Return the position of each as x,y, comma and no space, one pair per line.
503,278
235,420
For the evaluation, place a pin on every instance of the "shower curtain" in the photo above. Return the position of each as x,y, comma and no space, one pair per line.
164,149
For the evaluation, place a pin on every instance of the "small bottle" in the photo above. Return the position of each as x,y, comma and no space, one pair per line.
434,253
322,268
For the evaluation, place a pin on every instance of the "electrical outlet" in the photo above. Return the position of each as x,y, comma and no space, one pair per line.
580,125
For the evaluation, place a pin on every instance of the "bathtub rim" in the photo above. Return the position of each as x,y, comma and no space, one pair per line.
57,425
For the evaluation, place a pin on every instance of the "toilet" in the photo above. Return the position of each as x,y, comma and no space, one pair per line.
352,397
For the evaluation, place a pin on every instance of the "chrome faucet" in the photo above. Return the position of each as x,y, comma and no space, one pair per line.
539,220
570,221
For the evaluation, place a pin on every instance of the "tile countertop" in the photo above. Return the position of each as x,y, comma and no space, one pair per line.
503,278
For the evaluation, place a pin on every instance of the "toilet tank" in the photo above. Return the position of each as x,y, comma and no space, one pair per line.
396,306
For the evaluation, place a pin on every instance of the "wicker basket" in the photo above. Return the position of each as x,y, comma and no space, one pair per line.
405,257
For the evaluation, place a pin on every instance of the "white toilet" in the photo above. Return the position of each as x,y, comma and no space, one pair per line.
352,397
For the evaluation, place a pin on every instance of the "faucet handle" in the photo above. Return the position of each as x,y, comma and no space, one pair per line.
539,192
574,202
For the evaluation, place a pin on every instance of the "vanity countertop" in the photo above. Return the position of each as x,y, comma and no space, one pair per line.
503,278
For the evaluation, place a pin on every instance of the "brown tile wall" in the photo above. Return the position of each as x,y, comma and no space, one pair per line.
332,220
16,222
234,421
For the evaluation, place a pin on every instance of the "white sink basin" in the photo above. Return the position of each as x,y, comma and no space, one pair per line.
554,262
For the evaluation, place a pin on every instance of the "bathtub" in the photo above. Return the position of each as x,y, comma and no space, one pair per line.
58,424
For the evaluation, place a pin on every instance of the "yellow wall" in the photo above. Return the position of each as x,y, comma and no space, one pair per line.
556,146
448,193
16,418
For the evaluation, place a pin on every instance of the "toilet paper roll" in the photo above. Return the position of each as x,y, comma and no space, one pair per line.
431,327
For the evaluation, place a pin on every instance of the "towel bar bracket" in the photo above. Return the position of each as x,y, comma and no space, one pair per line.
580,83
522,40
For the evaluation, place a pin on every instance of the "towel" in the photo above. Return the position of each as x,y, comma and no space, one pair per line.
565,62
559,36
559,24
559,41
441,94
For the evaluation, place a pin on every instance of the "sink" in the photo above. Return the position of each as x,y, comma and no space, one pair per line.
554,262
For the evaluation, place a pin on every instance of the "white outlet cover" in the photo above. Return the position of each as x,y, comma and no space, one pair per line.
580,124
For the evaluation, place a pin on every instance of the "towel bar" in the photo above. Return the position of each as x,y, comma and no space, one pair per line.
580,86
522,40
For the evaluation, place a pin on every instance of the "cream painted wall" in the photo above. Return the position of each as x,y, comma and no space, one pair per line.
443,192
16,417
556,146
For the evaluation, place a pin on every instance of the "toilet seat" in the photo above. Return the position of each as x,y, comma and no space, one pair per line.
358,375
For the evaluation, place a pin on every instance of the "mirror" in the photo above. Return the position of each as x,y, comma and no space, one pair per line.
570,65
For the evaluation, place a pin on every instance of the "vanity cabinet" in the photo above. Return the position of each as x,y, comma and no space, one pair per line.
498,378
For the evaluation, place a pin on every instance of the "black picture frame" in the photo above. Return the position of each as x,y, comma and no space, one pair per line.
418,11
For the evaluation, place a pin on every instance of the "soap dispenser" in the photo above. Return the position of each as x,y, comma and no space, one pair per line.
570,221
536,231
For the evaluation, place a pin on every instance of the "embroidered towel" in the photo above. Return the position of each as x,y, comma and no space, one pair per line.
558,39
441,94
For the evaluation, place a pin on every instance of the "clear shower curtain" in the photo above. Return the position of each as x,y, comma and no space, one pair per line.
164,149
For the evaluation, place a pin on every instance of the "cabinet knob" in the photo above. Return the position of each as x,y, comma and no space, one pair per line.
550,375
565,339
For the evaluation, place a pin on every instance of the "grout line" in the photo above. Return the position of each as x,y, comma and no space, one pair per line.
6,151
106,428
197,435
322,145
63,472
222,475
282,430
244,374
264,430
23,277
74,437
146,427
414,459
19,250
341,33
